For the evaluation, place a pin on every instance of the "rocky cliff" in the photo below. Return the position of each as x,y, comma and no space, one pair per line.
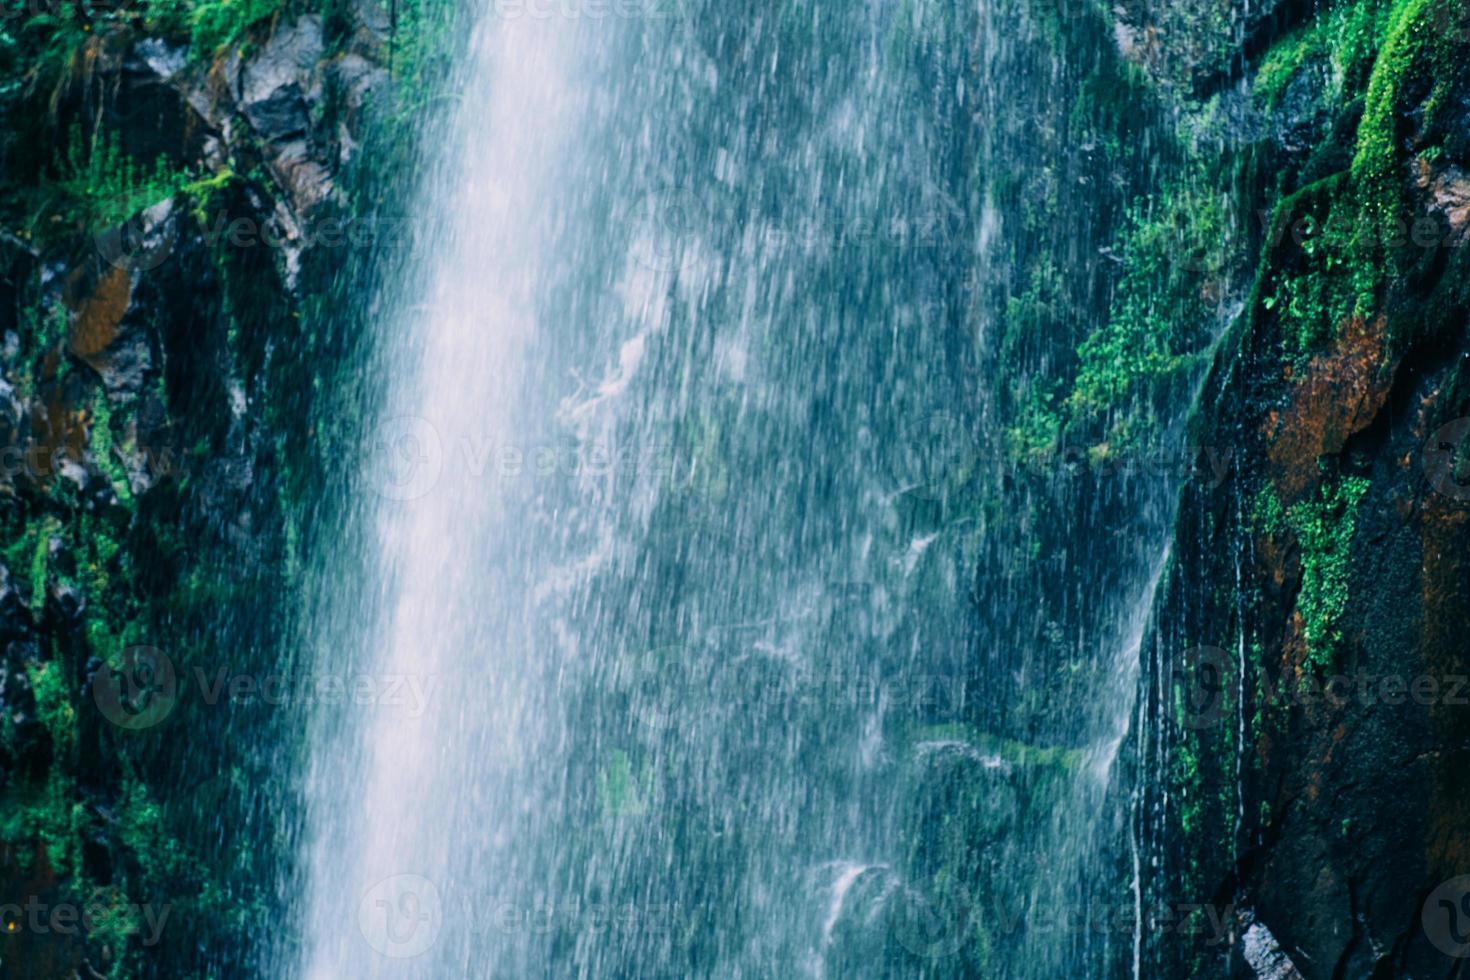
1306,676
176,215
1249,215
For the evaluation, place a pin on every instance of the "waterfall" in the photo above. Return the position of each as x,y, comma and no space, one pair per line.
668,535
438,631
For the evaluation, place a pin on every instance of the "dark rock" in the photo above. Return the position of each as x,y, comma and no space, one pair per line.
1305,112
68,600
362,88
1263,954
146,107
17,700
373,16
15,617
278,82
280,114
1447,192
306,179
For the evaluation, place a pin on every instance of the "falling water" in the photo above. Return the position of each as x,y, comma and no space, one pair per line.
664,593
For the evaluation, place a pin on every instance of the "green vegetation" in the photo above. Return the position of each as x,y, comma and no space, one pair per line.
214,24
39,555
1312,289
1324,527
1016,753
1417,51
1161,315
1177,257
1344,39
106,184
104,453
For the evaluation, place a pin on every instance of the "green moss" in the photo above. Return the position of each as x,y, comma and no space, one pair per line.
1324,528
217,23
109,186
1187,778
1346,38
1037,432
621,791
104,452
1161,318
1285,59
1416,53
1019,754
140,829
1267,515
53,705
40,554
420,52
51,328
204,192
1308,279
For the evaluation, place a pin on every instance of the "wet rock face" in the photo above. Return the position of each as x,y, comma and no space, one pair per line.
1331,570
1349,806
278,84
140,479
1191,46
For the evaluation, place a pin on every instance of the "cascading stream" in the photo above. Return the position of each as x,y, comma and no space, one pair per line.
444,618
673,520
